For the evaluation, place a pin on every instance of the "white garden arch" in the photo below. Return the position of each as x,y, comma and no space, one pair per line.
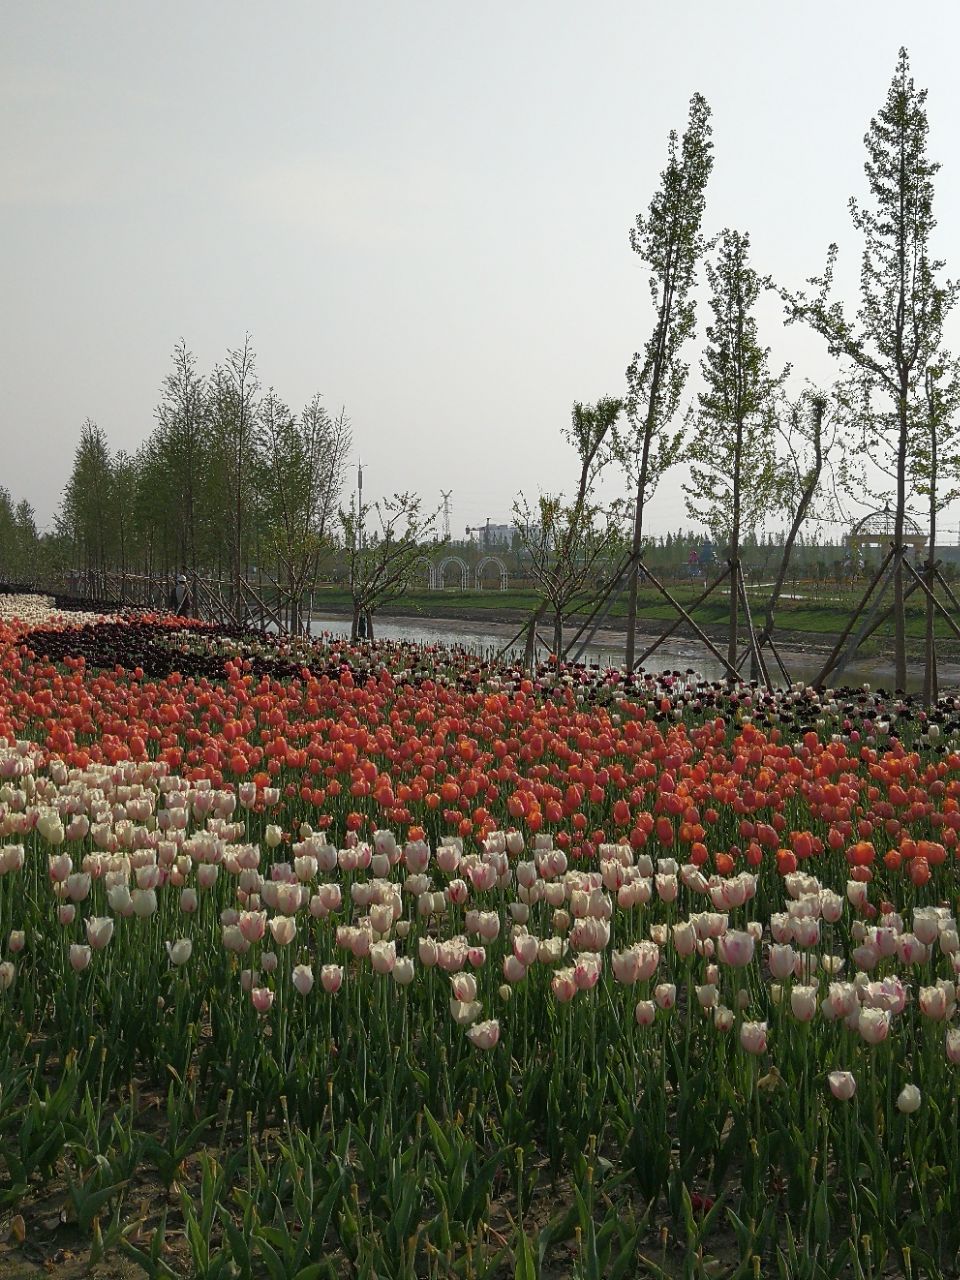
482,564
441,569
419,564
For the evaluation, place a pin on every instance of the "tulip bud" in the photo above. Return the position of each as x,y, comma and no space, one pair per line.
843,1085
909,1100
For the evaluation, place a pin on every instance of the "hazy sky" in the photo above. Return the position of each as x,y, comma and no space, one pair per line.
420,209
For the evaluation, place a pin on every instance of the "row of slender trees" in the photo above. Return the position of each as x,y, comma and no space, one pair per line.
887,428
229,478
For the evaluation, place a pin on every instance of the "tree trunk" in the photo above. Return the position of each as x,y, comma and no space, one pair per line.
735,553
630,655
899,607
930,684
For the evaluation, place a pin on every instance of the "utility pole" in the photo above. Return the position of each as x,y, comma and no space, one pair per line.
360,504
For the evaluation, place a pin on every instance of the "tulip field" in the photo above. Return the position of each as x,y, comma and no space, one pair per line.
320,960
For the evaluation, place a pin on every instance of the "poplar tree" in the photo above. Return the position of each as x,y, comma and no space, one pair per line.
183,446
669,241
734,478
904,299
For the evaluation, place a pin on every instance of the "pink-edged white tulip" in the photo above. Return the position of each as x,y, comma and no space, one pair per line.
99,930
667,887
457,892
179,952
873,1025
586,972
8,972
514,970
302,976
753,1037
59,867
953,1045
464,987
684,938
17,940
735,948
723,1018
283,929
526,948
383,957
803,1003
926,924
484,1035
488,925
645,1012
858,893
563,985
782,959
78,886
665,995
934,1003
269,960
464,1012
403,971
331,978
144,902
80,956
448,859
262,999
831,906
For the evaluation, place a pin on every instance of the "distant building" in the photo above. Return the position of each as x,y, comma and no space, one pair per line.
490,535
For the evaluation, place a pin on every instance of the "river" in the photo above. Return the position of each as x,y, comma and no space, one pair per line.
607,649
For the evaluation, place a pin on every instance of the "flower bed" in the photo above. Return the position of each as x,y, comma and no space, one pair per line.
385,960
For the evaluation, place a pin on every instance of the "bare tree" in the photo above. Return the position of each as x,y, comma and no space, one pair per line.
569,544
382,542
813,437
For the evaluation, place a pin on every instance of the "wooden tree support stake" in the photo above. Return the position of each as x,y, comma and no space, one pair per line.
674,626
755,648
838,647
685,616
592,625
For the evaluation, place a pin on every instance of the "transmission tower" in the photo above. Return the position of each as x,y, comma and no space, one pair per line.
445,494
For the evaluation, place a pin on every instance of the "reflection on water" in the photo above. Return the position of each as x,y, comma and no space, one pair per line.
673,655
